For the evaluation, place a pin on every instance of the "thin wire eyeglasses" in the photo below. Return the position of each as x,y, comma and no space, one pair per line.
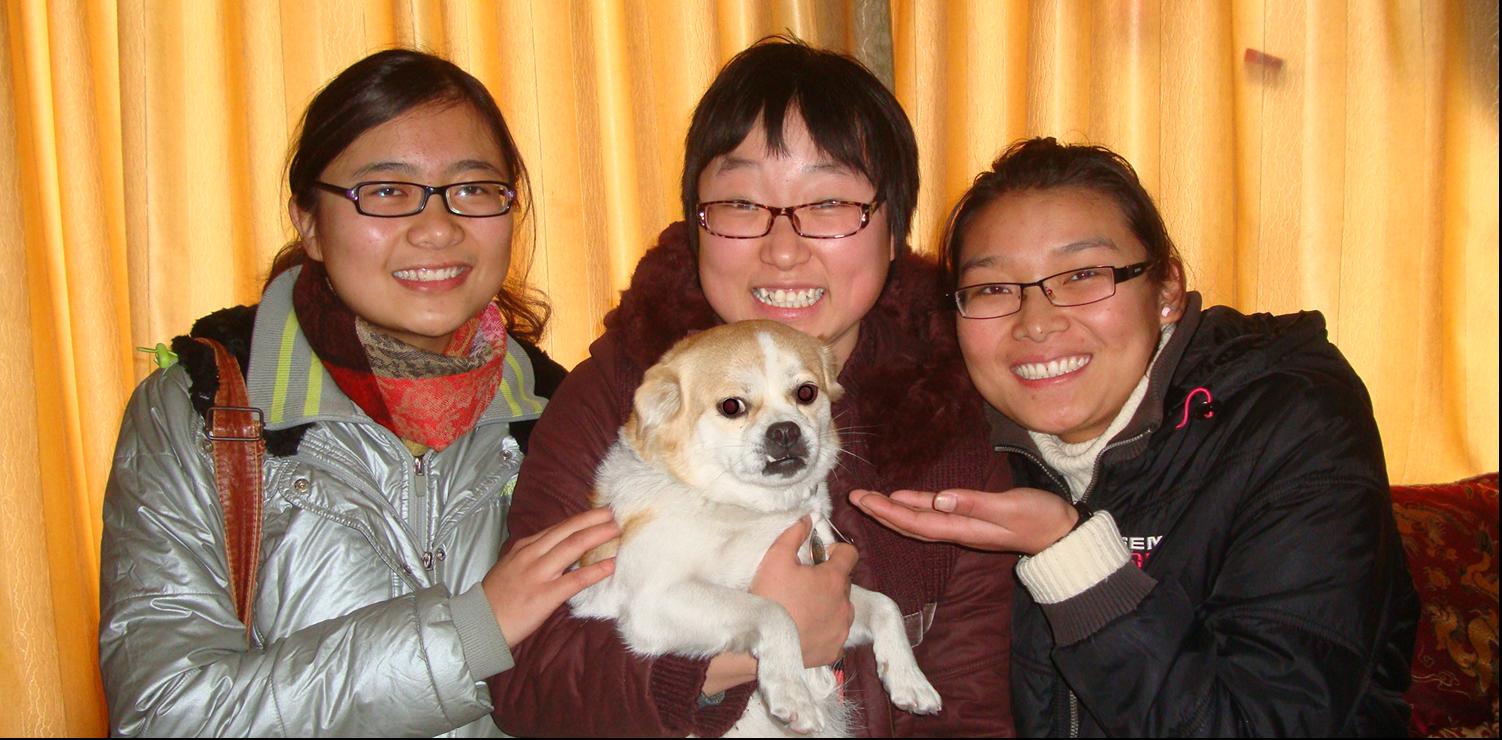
825,219
396,199
1078,287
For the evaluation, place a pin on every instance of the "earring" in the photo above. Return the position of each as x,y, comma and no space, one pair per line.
1167,310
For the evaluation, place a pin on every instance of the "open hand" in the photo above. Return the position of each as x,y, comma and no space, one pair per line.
1024,520
532,580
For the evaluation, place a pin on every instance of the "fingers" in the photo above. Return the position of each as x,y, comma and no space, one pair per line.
914,499
793,537
549,538
841,557
577,580
892,513
571,548
901,527
993,508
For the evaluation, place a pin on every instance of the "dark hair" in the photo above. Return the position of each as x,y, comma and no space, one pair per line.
1045,164
377,89
851,116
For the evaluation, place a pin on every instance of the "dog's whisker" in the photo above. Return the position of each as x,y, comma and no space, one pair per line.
858,457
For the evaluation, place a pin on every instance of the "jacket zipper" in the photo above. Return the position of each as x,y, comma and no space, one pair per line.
1099,460
419,508
1074,701
1095,475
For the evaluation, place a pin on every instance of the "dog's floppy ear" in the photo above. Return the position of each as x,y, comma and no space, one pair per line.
657,401
832,385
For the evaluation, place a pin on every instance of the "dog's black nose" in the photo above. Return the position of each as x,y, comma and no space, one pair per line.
785,449
783,435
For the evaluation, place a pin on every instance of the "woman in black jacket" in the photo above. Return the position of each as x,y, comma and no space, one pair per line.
1204,502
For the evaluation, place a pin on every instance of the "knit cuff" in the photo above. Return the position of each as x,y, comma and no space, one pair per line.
1081,559
1084,615
677,683
485,648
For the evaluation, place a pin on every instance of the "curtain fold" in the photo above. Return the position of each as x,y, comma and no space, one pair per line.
1338,156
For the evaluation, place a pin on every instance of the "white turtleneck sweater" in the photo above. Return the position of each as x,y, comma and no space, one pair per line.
1095,550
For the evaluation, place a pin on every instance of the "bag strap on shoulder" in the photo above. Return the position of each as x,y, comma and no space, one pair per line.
234,429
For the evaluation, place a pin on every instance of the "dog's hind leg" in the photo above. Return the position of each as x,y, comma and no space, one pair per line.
703,619
879,622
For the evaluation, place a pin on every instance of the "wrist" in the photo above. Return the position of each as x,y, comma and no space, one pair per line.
1082,513
728,670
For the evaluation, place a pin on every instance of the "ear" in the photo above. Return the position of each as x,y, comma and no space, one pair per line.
657,401
1171,295
304,222
832,386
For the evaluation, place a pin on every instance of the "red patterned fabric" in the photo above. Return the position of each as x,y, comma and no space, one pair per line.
1450,534
425,398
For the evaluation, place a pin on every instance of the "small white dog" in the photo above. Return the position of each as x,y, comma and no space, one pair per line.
728,445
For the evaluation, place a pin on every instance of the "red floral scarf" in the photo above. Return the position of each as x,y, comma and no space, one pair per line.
425,398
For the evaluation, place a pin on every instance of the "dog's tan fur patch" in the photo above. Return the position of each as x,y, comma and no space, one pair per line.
608,549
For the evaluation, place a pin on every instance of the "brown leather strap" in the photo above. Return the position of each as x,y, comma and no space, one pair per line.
234,428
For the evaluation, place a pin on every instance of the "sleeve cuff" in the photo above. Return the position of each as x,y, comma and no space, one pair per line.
485,648
1085,581
678,682
1083,558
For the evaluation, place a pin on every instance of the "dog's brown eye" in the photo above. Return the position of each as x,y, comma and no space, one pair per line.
732,407
807,393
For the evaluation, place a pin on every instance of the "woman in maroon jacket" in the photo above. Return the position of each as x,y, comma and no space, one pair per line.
786,130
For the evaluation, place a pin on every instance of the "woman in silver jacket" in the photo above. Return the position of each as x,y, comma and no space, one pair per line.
389,362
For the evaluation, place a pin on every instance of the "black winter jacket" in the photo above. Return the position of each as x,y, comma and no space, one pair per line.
1267,593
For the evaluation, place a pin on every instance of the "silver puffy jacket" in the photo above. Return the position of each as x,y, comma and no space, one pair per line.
365,553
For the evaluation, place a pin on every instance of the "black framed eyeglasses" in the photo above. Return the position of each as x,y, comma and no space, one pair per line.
826,219
394,199
1076,287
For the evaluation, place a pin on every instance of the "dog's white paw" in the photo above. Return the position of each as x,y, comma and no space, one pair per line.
792,703
909,689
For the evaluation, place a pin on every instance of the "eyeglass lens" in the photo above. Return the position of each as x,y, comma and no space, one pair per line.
1072,288
405,198
745,220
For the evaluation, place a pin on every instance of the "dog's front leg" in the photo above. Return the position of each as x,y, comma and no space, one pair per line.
879,622
703,619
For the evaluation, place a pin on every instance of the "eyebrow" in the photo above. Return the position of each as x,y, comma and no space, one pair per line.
1085,244
386,166
1082,245
728,163
408,170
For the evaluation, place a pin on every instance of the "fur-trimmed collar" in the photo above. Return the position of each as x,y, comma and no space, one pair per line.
906,369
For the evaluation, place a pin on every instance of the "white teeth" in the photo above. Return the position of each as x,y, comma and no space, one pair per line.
428,275
1052,368
788,298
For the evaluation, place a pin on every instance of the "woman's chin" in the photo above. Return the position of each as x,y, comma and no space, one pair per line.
1047,421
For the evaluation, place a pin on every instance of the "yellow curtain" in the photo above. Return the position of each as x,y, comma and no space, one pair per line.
1335,156
1331,156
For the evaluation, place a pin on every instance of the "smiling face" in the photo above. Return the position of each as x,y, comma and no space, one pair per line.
1062,371
417,278
822,287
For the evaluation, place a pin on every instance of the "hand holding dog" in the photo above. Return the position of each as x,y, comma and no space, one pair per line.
817,596
1024,520
532,579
